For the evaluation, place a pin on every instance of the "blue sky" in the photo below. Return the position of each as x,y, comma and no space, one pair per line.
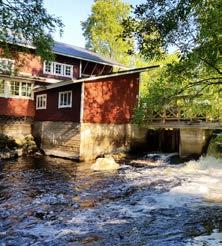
72,12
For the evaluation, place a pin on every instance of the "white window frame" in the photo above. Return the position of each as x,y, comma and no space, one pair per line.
12,66
44,67
37,100
63,69
20,90
59,101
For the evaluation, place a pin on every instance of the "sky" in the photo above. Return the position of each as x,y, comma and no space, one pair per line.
72,12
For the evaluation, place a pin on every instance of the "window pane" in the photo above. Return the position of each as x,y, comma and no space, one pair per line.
69,98
15,88
2,82
41,102
26,89
48,66
29,90
58,68
65,99
67,70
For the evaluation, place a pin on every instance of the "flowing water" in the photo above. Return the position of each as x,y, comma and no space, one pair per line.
48,201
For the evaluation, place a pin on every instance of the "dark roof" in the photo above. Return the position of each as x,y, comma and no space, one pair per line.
81,53
73,51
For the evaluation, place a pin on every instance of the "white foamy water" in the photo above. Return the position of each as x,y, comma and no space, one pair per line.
152,203
200,180
214,239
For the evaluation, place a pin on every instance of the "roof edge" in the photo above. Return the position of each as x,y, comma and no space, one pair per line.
28,46
121,73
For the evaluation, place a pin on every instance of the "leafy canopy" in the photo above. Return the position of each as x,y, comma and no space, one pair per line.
194,28
103,28
28,22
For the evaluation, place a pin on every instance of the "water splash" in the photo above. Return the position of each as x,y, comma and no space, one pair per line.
57,202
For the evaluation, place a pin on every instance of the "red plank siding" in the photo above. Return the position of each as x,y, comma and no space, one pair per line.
17,107
31,64
53,113
111,100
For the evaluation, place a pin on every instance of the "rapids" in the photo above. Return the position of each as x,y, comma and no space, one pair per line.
148,201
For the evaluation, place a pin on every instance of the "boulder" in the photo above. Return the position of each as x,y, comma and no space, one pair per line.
214,195
105,164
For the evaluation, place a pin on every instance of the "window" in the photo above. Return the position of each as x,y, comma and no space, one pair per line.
41,101
6,65
56,68
15,88
65,99
68,70
22,89
2,87
48,67
26,89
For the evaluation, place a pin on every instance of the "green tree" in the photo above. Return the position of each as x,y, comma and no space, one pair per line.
194,28
28,22
103,28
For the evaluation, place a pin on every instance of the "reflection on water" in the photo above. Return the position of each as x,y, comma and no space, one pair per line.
149,201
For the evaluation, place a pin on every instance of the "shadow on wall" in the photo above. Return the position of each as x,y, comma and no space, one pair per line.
62,135
112,100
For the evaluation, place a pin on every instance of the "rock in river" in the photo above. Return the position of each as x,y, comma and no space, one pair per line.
105,164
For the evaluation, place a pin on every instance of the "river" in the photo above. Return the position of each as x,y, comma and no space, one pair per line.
148,201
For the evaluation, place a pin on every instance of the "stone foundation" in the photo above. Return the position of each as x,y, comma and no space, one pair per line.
16,129
60,139
85,141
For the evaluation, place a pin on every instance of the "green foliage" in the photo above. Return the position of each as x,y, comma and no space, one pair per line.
27,22
215,147
7,142
193,81
103,28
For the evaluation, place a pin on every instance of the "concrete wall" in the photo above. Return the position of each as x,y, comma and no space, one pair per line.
60,139
193,141
86,141
99,139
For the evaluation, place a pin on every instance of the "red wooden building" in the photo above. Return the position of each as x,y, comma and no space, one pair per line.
25,70
88,117
80,109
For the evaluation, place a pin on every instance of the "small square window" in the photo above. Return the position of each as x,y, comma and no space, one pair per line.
65,99
41,101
